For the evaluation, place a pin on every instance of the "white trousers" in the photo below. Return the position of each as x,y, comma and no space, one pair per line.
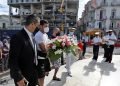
68,62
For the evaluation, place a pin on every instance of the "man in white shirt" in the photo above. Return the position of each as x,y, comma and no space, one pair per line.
96,43
110,45
84,41
41,39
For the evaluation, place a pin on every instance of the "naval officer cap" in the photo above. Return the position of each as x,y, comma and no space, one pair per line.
110,31
72,29
97,33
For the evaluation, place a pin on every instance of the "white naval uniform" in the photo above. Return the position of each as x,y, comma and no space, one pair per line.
96,47
70,58
110,47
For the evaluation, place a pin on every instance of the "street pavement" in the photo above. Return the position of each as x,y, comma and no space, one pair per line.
86,72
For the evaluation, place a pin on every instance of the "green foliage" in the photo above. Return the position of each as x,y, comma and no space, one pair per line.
53,56
70,49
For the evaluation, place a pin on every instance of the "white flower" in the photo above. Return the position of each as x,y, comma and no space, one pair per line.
58,51
53,40
54,47
60,40
49,41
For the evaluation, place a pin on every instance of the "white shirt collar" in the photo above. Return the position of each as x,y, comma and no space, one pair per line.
28,32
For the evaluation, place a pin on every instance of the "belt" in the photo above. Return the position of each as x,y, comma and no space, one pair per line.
39,57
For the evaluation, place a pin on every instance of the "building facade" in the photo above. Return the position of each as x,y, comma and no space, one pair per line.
88,17
105,15
59,13
4,22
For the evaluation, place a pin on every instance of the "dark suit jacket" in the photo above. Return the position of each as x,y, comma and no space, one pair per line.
21,58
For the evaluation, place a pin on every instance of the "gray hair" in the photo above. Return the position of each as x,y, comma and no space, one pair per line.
31,19
56,29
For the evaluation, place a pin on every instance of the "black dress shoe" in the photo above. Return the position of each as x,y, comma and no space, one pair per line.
56,79
109,61
106,60
94,59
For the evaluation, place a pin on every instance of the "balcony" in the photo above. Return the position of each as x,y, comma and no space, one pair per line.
71,0
112,27
51,1
13,2
71,14
57,0
70,20
103,18
91,19
47,1
102,4
115,17
16,15
115,4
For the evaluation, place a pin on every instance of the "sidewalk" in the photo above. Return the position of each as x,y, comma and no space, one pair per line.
91,73
87,73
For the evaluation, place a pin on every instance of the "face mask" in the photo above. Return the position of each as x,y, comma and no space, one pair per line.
58,34
71,33
110,34
46,29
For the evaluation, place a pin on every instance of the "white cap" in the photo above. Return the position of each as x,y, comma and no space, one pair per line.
72,29
97,33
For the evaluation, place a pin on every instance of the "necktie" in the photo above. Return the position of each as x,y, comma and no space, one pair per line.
35,49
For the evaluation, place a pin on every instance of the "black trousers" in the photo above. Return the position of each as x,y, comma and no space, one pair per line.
84,48
31,81
109,52
95,51
31,75
105,50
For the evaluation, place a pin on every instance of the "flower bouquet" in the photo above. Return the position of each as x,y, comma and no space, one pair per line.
55,49
62,44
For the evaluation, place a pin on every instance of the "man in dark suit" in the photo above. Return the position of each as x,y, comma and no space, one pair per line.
22,59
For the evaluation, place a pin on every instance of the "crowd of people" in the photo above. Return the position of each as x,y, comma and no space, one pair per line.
107,42
28,51
4,54
28,55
